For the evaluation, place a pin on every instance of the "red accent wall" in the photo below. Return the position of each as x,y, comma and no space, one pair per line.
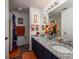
20,30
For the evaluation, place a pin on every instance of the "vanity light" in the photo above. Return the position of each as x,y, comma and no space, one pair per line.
53,5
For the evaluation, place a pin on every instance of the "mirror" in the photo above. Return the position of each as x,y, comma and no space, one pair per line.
55,22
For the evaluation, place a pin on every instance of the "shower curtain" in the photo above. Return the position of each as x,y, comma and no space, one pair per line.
14,46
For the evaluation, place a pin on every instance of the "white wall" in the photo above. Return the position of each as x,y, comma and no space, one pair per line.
40,14
67,24
7,29
34,11
22,40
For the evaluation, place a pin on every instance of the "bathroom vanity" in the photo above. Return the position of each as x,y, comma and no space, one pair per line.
42,48
41,52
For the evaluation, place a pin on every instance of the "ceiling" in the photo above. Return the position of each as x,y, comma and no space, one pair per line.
24,4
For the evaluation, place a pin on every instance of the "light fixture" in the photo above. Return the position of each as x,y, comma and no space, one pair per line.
54,3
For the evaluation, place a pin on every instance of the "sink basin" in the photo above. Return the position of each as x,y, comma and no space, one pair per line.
62,49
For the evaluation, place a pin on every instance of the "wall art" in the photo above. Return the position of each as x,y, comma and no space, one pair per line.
35,18
20,20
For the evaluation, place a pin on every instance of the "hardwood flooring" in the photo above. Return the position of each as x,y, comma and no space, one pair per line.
15,53
22,53
29,55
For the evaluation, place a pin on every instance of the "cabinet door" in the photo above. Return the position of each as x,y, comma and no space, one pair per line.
41,52
54,57
47,55
35,48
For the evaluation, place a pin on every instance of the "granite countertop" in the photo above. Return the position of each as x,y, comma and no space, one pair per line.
48,45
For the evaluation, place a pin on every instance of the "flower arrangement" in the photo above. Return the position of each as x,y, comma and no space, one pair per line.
52,28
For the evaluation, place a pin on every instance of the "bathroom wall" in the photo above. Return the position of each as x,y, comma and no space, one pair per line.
33,11
43,14
40,14
67,24
22,40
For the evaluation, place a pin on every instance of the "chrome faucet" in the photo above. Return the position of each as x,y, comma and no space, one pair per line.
68,43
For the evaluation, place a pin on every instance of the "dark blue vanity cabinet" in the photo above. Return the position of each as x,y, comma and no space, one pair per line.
41,52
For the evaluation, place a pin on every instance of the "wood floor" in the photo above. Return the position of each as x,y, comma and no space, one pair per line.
25,55
15,53
29,55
